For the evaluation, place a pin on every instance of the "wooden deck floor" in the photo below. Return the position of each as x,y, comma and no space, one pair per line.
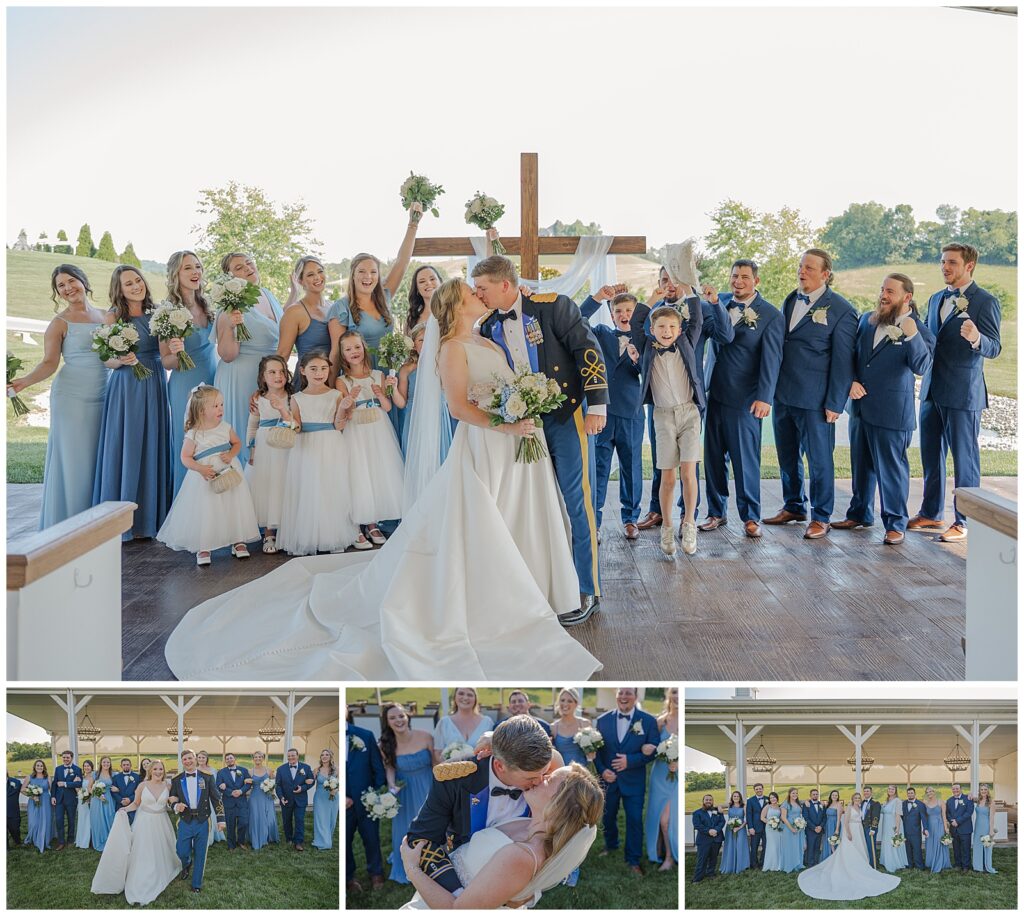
781,608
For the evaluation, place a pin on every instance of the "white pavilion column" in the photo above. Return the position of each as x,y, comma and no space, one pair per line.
289,707
179,708
740,737
71,709
859,737
975,736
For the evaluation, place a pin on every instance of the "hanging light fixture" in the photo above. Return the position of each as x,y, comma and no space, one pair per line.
866,762
761,761
270,731
956,760
172,731
87,730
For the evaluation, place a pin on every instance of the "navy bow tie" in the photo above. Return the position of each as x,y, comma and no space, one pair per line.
623,333
508,316
514,794
661,351
802,298
950,292
733,304
625,715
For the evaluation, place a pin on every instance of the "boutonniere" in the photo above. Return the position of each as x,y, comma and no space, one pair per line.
637,729
355,743
534,335
130,779
819,314
894,334
685,312
961,304
473,800
749,317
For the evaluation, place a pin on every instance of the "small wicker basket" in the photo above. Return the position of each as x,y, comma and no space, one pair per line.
366,415
226,480
281,437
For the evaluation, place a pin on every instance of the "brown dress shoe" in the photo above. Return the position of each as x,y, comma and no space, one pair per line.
299,847
650,520
892,538
376,882
632,532
921,523
816,530
637,870
711,523
783,516
849,524
752,529
354,887
953,534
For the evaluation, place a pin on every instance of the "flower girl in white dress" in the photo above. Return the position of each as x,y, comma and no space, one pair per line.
317,510
377,469
202,520
267,469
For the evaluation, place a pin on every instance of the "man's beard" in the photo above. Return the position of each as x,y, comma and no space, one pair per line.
887,314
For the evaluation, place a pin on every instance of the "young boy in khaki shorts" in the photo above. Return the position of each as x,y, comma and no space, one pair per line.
678,402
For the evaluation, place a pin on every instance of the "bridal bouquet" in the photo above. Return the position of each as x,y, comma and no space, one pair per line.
14,366
419,189
946,840
734,823
458,750
113,341
169,321
588,740
267,786
35,793
528,396
483,211
775,822
668,752
380,804
833,840
987,841
331,785
799,823
898,839
233,294
99,789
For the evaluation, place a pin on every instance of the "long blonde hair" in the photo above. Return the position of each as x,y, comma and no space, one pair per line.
197,401
174,284
376,294
444,306
578,803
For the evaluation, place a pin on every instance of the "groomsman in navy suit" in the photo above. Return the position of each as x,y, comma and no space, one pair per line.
235,785
293,782
740,396
814,813
624,432
965,321
364,769
519,705
871,813
67,780
755,826
631,739
123,786
893,346
959,811
812,390
14,811
709,832
914,825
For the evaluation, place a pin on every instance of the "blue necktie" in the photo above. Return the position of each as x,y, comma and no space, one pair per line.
802,298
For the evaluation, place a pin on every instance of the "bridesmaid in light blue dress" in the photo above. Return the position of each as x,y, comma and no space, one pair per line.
310,321
936,856
185,288
408,761
133,461
76,397
325,807
564,728
40,816
262,816
661,821
772,838
981,858
793,839
425,280
833,818
83,828
735,847
465,724
892,858
240,360
101,819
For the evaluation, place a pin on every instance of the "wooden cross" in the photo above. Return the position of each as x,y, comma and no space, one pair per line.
529,244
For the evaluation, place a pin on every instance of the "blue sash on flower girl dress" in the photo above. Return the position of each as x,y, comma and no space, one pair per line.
316,427
212,450
266,424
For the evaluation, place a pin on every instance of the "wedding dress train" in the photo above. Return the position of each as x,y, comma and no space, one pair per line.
469,586
847,874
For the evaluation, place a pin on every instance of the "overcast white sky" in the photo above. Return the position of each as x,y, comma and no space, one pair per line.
644,119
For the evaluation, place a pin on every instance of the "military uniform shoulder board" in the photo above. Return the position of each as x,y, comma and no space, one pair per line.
543,297
454,769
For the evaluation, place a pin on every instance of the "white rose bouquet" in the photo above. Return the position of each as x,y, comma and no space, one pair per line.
588,740
458,750
898,839
331,785
99,789
83,795
799,823
14,366
833,840
775,822
946,840
267,786
529,395
35,793
483,212
987,841
233,294
112,341
419,189
170,321
380,804
668,752
734,823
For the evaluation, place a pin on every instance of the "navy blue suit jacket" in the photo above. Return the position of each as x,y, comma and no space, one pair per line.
13,797
754,813
956,378
239,782
703,821
914,818
286,787
961,814
363,769
813,818
623,373
817,359
685,350
747,368
633,779
68,793
887,374
125,788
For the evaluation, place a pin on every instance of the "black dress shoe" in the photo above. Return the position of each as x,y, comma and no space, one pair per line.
186,873
589,604
196,890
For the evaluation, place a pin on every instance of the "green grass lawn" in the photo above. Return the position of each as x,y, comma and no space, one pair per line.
276,877
918,890
604,884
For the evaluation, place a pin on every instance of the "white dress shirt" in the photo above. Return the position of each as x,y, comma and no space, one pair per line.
669,381
949,303
736,307
502,808
801,308
191,784
622,726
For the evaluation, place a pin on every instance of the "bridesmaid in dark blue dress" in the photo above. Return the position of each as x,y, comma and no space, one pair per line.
833,818
735,848
133,463
185,288
310,321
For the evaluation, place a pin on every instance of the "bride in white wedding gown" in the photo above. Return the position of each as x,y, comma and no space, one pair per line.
140,858
847,873
470,584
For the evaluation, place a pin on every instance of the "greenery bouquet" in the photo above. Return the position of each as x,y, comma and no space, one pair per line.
14,366
484,212
112,341
420,189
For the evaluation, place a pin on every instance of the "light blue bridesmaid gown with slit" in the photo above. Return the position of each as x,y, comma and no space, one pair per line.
83,817
735,846
773,841
325,813
416,771
831,814
792,843
40,817
659,793
262,815
101,818
237,379
936,856
76,413
981,858
133,460
201,346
